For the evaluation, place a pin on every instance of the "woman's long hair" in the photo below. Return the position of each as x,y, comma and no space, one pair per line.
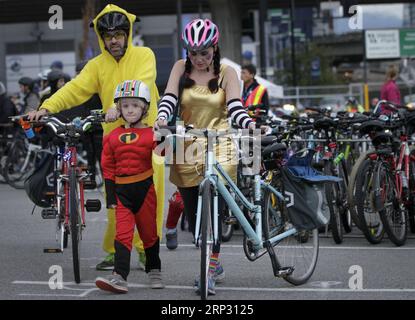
214,82
391,73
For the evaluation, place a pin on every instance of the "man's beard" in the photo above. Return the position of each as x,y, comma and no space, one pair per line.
119,53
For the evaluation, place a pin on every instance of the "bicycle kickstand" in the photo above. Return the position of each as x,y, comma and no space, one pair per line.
276,267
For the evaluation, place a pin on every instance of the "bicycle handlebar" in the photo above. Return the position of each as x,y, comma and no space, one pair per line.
392,106
72,129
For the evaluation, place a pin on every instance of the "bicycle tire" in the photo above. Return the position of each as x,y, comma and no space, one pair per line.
395,219
206,232
75,223
227,229
16,158
183,222
411,206
345,211
332,195
369,220
299,251
351,188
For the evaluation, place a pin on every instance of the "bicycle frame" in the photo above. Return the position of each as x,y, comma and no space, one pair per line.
399,175
212,169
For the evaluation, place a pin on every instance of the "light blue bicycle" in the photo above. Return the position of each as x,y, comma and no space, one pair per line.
293,253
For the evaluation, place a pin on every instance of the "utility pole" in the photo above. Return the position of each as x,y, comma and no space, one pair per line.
262,18
293,67
200,7
179,29
226,14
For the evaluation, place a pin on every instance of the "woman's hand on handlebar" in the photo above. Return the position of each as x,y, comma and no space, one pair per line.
264,129
160,123
36,115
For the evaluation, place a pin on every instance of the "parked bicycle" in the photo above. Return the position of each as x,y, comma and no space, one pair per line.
294,260
67,202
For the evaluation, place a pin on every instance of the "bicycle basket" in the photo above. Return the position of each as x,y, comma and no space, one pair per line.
304,192
40,184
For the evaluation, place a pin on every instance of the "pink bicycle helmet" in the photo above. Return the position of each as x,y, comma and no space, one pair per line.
200,34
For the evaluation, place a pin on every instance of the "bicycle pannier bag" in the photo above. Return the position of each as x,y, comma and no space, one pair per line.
304,193
41,182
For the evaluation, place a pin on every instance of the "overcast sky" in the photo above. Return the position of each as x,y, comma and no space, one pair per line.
376,17
383,16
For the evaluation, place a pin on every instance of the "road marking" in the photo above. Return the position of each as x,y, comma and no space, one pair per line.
49,295
321,247
220,288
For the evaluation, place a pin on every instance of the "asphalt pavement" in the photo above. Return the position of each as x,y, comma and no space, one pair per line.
384,271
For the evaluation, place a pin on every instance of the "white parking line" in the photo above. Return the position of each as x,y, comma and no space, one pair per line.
321,247
220,288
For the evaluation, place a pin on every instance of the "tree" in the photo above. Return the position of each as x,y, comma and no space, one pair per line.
303,60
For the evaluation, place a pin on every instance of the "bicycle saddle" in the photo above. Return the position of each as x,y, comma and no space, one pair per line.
267,140
370,126
273,148
382,138
324,123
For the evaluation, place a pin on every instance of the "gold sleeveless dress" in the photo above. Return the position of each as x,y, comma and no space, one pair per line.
203,109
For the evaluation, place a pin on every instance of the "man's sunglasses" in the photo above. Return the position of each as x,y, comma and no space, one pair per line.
118,35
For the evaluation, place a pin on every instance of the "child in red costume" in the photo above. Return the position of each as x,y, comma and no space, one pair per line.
127,167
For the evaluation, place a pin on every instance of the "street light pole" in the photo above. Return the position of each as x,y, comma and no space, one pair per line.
200,7
179,28
262,18
293,67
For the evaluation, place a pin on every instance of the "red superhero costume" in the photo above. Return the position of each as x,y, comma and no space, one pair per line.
127,167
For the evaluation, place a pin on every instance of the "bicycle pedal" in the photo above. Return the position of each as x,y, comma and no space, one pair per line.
231,220
285,271
90,185
52,250
50,213
93,205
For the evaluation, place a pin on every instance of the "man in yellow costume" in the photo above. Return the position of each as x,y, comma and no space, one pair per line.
118,61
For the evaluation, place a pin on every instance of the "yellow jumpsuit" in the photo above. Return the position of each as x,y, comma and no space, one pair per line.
101,75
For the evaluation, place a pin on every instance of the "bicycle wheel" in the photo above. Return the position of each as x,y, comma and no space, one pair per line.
299,251
227,228
63,229
393,213
333,202
19,165
344,206
351,189
206,239
411,202
75,222
369,219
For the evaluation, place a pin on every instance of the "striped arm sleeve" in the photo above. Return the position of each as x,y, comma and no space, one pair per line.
238,114
166,106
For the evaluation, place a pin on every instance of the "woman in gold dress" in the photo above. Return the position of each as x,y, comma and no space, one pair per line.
211,95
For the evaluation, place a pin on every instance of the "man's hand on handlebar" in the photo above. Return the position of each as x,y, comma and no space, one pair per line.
36,115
